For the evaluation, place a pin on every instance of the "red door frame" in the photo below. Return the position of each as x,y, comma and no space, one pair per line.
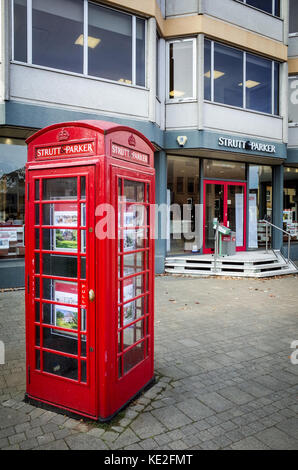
225,184
63,392
130,383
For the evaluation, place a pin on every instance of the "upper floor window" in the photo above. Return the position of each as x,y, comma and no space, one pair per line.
241,79
80,37
270,6
293,18
181,69
293,100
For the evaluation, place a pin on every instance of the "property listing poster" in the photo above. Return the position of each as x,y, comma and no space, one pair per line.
66,316
65,239
129,309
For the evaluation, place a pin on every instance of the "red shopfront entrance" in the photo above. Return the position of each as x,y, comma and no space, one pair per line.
89,267
226,202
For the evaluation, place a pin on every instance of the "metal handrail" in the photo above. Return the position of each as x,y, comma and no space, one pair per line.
281,230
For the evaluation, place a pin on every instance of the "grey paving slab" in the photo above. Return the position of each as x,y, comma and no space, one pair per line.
224,378
195,409
249,443
236,395
85,442
146,425
171,417
290,426
215,401
277,439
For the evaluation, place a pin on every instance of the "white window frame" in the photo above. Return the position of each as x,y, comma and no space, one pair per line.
294,34
244,107
194,77
85,47
293,78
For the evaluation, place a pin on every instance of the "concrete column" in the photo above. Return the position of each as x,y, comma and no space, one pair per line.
200,79
284,14
277,200
5,46
160,163
283,98
151,66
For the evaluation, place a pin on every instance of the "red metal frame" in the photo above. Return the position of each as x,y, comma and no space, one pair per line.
43,385
225,184
117,153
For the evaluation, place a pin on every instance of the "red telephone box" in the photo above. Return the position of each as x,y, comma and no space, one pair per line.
89,267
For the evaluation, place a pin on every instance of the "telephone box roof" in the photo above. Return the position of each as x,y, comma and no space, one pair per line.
104,127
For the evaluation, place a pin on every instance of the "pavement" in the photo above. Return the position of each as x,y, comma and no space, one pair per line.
224,375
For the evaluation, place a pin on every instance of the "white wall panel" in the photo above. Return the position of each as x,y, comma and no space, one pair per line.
225,119
245,17
293,137
58,88
180,7
182,115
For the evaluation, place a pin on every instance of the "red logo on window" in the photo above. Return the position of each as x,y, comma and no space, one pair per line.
132,141
63,135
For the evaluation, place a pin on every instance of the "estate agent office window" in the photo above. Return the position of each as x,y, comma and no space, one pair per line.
12,203
80,37
181,69
227,69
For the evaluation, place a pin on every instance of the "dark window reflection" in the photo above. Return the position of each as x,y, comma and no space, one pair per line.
293,20
20,30
258,84
60,365
264,5
228,75
57,34
207,70
276,88
110,44
59,188
140,52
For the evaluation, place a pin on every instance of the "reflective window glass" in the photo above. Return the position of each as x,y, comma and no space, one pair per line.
207,70
290,214
59,188
228,75
133,333
140,52
293,18
57,34
58,340
110,44
224,170
258,84
60,365
134,191
59,265
264,5
132,357
293,100
181,70
20,30
276,88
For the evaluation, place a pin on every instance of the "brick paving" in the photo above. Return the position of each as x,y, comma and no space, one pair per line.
224,377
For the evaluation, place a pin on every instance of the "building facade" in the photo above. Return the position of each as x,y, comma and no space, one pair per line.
212,84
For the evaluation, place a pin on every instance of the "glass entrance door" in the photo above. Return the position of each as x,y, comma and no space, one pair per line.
60,278
225,202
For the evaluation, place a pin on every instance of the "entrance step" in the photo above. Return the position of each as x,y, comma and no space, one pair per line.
245,264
